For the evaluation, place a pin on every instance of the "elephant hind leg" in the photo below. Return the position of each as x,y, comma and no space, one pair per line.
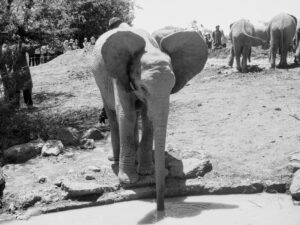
231,59
245,53
283,57
145,155
238,51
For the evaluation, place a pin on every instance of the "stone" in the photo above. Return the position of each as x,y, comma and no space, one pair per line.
93,133
89,177
2,183
94,169
69,155
52,147
189,168
42,179
295,186
29,199
77,189
68,135
22,153
87,144
295,161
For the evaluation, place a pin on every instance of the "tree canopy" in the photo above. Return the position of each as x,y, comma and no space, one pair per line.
45,20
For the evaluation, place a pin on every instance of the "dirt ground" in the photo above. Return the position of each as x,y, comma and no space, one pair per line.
247,124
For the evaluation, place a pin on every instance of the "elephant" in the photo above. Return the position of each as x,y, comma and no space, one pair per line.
281,30
136,76
243,36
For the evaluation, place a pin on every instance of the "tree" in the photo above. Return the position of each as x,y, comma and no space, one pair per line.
42,21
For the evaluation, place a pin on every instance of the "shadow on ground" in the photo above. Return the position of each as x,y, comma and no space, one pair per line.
181,209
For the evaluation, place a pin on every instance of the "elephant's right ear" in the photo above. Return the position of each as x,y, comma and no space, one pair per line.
118,51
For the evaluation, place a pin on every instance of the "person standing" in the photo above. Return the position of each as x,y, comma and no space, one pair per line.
217,38
31,55
37,56
85,43
21,72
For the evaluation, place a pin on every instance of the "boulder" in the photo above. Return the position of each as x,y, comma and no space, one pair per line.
93,133
87,144
22,153
52,147
295,186
68,135
189,168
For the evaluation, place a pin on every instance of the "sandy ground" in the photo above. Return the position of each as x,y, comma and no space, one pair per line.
258,209
246,123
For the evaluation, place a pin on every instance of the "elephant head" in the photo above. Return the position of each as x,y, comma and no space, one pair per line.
136,70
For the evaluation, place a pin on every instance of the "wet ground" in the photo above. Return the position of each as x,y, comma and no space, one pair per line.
256,209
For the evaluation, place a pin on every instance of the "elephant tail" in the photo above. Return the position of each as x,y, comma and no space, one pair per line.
250,36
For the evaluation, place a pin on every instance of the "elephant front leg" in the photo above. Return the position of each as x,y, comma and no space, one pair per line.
127,119
115,138
145,157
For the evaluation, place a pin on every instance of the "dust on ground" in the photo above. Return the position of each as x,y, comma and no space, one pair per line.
246,123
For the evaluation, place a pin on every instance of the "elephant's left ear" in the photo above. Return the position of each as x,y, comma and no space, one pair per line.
188,52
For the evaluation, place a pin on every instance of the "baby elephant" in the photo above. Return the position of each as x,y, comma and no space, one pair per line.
135,73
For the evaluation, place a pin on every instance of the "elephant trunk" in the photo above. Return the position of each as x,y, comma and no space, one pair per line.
159,116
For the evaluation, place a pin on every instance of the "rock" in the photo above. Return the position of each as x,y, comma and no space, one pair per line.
295,161
70,155
2,183
29,213
12,207
87,144
77,189
68,135
29,199
42,179
22,153
93,133
89,177
52,147
295,186
94,168
189,168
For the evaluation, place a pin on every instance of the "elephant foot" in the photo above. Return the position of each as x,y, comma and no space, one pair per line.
244,70
282,65
128,176
145,170
230,63
272,66
113,159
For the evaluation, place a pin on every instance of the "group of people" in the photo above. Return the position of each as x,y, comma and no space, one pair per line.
41,55
72,44
214,39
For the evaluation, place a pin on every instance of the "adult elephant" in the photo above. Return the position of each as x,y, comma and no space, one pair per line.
243,36
281,30
135,75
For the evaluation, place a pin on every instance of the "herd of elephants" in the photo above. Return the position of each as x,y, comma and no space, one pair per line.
136,72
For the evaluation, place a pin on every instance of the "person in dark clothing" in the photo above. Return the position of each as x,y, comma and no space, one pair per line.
217,38
31,56
37,56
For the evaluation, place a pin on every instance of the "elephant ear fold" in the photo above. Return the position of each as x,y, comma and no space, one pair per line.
119,50
188,52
